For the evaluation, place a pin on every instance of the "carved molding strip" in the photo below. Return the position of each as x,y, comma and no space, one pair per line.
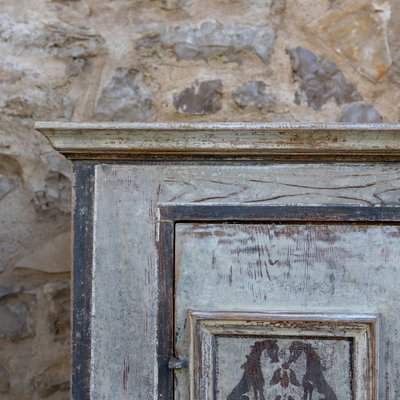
286,355
225,141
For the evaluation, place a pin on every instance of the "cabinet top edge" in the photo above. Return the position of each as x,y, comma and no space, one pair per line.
214,126
223,140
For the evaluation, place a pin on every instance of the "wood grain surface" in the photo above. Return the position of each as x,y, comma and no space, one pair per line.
126,275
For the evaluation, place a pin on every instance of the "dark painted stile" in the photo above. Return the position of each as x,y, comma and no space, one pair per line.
165,310
82,279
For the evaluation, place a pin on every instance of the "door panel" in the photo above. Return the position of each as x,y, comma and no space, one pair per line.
262,373
241,355
261,268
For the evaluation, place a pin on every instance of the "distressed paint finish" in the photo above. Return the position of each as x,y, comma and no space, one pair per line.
224,141
82,280
131,315
285,376
287,355
127,199
285,184
296,267
125,284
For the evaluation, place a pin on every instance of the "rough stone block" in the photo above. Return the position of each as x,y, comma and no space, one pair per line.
209,40
7,185
360,113
53,380
53,257
128,97
9,75
58,296
75,67
41,213
65,40
6,290
172,4
56,37
200,98
4,380
16,316
55,191
36,103
395,71
276,7
358,31
253,94
320,80
10,166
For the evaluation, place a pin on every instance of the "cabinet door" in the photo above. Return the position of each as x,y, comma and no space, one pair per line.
283,310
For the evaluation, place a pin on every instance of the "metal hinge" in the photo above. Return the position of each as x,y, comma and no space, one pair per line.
177,363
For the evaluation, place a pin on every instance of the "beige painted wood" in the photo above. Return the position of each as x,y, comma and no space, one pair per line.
126,263
320,268
228,140
124,284
280,184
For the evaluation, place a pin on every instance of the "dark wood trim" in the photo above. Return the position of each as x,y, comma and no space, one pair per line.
172,214
165,325
251,213
299,157
82,280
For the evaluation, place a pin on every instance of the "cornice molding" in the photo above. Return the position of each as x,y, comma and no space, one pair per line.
225,141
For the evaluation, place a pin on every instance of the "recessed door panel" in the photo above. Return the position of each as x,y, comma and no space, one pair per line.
298,271
240,355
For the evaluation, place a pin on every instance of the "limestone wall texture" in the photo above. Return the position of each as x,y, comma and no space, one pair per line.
154,60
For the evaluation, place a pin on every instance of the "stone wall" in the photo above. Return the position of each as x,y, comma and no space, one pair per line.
154,60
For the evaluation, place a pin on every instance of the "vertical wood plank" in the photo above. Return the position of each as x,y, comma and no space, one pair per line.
165,309
125,283
82,280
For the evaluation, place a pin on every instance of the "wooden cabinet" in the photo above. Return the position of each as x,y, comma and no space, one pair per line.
235,261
